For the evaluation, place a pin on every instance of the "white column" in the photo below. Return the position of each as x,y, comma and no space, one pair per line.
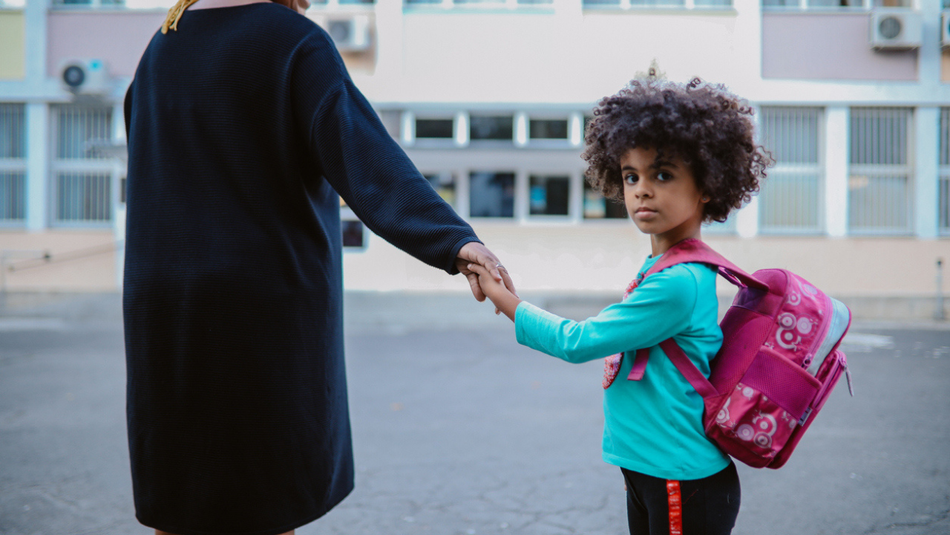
408,130
926,172
38,155
34,15
461,129
521,129
747,219
389,38
575,126
837,146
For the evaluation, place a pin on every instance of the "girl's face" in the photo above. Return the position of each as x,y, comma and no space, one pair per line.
661,197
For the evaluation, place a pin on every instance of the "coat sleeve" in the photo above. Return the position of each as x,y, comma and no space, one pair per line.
366,166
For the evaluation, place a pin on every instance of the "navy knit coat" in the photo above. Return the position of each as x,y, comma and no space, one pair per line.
243,129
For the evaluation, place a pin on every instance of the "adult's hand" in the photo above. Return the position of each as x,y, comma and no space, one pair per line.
476,253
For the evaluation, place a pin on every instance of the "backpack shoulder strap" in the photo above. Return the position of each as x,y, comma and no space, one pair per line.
686,367
693,250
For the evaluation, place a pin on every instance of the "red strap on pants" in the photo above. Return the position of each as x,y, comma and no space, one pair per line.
676,507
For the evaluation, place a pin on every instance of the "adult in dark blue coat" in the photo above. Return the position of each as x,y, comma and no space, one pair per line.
243,129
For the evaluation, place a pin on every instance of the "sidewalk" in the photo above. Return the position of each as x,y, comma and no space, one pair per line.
458,430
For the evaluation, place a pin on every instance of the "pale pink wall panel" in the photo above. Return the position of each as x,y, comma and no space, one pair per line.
828,46
118,37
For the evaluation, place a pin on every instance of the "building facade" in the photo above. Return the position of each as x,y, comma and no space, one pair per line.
490,98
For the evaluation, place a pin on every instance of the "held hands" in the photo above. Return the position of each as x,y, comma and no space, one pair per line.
504,300
474,253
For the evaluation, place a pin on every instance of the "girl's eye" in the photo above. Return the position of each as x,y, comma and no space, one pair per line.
630,179
664,176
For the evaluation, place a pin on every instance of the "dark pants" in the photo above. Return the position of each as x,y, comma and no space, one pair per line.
707,506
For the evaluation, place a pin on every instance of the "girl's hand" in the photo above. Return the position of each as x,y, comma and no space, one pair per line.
504,300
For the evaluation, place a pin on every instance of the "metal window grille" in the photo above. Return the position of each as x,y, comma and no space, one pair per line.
84,197
12,131
82,175
790,198
79,128
12,164
12,196
879,188
944,195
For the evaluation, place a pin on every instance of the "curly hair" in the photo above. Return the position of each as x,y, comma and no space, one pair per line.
707,126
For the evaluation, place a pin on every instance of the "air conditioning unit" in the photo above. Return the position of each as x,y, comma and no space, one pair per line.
85,76
895,29
350,34
945,29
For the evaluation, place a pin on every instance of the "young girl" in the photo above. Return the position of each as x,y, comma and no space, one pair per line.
677,156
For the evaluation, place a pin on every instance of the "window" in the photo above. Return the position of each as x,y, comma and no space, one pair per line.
944,197
353,235
492,194
475,3
89,3
879,189
597,207
790,199
444,185
815,4
82,175
492,128
12,164
681,4
435,129
548,129
549,195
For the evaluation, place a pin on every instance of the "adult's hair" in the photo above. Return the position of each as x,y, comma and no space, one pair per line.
707,126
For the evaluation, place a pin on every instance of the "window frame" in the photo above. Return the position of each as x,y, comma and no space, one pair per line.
109,167
16,164
872,171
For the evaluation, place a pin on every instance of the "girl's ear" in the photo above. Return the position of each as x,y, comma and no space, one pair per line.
704,199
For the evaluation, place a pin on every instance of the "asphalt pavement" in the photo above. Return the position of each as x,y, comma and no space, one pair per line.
458,430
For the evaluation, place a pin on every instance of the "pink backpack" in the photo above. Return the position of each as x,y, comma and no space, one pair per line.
778,363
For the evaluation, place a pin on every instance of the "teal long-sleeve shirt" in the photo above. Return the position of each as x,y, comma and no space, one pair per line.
652,426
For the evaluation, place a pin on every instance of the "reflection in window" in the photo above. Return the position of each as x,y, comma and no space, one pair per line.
657,2
492,194
491,127
444,185
352,233
597,207
79,128
434,129
549,195
548,128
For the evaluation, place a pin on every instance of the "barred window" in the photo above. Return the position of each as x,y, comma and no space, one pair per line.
12,165
790,198
879,187
82,175
944,195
